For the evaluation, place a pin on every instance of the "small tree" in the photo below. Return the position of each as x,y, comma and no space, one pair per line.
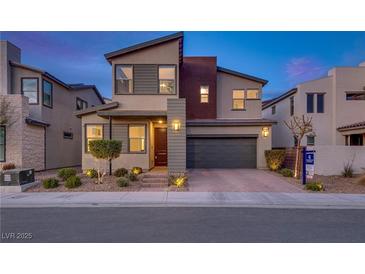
104,150
299,127
7,115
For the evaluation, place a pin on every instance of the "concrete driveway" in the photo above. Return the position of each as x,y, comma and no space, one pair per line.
238,180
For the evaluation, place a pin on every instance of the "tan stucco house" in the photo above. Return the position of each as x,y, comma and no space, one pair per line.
43,132
178,112
336,104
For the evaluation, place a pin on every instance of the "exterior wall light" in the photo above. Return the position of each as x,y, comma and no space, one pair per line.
176,125
265,132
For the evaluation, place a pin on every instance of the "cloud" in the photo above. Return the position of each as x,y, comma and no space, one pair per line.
303,69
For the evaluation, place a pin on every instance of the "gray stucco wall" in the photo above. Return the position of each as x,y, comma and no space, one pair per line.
176,140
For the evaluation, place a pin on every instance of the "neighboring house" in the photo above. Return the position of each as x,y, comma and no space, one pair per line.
176,111
44,133
336,104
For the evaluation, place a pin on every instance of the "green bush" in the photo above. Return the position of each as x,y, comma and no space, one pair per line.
314,186
73,181
50,183
123,182
66,173
105,149
136,170
91,173
120,172
274,158
132,177
348,171
286,172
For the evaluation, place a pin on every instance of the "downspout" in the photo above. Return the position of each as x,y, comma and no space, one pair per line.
110,137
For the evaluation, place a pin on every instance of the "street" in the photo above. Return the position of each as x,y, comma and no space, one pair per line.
181,224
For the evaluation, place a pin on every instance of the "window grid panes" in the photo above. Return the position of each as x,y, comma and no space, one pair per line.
238,99
47,93
204,94
93,132
310,103
252,94
166,76
124,79
2,143
81,104
137,135
273,110
320,103
30,89
291,106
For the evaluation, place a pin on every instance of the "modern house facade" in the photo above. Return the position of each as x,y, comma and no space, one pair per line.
42,132
336,104
178,112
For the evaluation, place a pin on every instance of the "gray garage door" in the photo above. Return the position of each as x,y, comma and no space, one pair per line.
221,152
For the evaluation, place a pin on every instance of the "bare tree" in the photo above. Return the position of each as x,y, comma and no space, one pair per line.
299,127
7,115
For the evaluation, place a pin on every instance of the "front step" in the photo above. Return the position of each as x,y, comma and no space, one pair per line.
155,180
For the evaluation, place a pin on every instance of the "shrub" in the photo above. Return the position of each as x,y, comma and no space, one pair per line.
73,181
286,172
179,181
314,186
66,173
274,158
132,177
123,182
8,166
120,172
136,170
50,183
91,173
348,171
361,180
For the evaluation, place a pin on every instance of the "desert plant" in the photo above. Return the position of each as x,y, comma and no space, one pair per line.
123,182
314,186
120,172
91,173
50,183
105,150
179,181
72,182
136,170
286,172
348,171
274,158
361,180
132,177
65,173
8,166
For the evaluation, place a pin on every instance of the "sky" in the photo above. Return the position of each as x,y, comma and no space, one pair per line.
283,58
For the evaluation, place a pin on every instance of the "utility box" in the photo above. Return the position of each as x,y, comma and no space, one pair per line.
16,177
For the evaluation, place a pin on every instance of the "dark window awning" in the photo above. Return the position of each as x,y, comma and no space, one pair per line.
132,113
35,122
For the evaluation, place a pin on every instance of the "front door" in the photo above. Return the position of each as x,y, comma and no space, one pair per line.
160,146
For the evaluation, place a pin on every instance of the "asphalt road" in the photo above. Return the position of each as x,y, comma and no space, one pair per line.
178,224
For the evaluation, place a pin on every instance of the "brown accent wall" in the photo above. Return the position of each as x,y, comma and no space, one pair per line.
196,72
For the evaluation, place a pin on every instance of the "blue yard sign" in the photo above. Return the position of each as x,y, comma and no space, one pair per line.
308,164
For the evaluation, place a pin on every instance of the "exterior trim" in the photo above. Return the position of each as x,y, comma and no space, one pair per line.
34,122
242,75
96,109
222,136
4,127
229,122
280,98
130,113
354,126
51,106
21,87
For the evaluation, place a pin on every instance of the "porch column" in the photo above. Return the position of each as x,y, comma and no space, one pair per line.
110,137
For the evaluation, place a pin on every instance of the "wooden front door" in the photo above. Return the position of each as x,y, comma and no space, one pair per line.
160,146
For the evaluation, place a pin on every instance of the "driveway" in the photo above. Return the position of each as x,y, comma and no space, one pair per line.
238,180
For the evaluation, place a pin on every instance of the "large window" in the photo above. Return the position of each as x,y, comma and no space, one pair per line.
124,79
81,104
29,88
204,94
166,78
137,138
356,140
47,94
355,95
291,106
2,143
310,103
93,132
320,103
238,99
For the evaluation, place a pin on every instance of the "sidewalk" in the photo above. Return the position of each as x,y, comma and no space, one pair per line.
183,199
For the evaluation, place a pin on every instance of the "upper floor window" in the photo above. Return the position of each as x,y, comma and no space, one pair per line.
81,104
252,94
310,103
355,95
29,88
137,138
47,94
291,106
166,78
2,143
238,99
93,132
310,140
320,103
204,94
123,79
273,110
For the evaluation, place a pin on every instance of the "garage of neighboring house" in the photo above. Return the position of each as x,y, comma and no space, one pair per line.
221,151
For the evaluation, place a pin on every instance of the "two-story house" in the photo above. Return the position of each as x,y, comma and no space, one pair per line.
179,112
336,104
42,132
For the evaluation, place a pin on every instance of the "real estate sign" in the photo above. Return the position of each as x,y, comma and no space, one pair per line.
309,163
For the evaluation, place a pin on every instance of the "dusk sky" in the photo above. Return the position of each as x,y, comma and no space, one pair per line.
283,58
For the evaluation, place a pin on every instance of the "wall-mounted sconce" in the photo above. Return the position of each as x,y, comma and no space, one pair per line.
176,125
265,132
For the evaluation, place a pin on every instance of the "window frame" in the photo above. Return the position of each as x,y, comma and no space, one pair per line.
115,79
158,79
307,100
348,93
317,103
291,106
68,138
205,94
311,143
86,138
243,99
145,139
2,127
273,110
246,93
22,86
82,101
51,105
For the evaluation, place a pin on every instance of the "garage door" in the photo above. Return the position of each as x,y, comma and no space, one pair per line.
221,152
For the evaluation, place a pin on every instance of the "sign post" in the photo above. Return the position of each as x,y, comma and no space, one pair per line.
308,165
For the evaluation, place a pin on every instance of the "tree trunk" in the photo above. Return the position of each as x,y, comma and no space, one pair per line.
297,163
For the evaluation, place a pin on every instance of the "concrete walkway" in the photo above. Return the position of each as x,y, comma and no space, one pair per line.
183,199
